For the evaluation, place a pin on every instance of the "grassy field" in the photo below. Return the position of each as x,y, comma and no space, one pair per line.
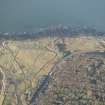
26,61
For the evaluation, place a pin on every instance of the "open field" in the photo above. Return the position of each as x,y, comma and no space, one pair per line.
25,62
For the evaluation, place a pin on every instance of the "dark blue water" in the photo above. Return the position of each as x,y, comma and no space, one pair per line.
23,15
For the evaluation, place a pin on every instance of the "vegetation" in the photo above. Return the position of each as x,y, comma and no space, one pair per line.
77,80
63,50
66,53
61,47
72,86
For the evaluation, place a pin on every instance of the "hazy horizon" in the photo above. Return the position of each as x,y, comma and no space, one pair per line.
20,15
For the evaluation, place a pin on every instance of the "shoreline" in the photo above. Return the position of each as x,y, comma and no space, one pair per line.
52,31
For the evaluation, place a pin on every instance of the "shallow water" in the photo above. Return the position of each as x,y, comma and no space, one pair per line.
96,53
